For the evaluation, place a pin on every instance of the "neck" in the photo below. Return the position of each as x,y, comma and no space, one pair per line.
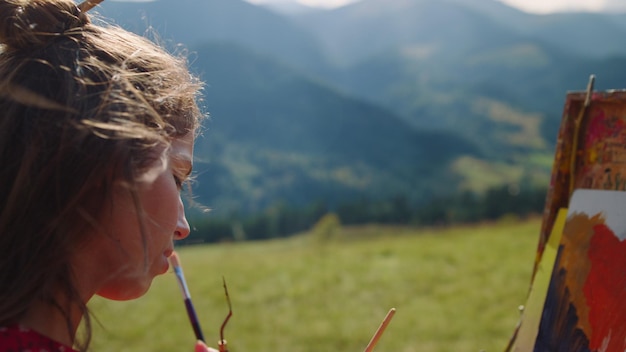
60,321
49,320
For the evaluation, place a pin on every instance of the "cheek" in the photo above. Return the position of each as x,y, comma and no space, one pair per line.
161,204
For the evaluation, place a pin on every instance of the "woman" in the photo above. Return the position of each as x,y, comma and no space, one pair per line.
96,140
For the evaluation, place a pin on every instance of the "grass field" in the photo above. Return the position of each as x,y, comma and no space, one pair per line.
455,289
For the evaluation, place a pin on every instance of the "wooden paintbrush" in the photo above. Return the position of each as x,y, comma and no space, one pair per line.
380,330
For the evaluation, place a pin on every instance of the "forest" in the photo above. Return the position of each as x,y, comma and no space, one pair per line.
282,220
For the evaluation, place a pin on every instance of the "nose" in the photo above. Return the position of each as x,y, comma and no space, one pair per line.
182,226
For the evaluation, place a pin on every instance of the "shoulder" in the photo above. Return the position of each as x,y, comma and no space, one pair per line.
17,338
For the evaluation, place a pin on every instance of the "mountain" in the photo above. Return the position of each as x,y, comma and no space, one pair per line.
193,22
275,135
439,65
436,62
378,98
593,35
443,28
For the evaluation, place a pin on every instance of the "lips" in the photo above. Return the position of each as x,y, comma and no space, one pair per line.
166,263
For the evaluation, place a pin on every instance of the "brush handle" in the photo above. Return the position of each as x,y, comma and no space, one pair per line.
381,329
193,318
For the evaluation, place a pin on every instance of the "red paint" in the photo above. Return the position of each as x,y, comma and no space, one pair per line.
605,290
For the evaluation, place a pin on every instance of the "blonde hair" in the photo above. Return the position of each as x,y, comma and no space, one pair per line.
81,106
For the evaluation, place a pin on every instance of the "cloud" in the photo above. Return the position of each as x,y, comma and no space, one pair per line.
547,6
313,3
325,3
615,5
534,6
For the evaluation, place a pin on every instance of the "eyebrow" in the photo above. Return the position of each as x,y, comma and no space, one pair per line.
184,165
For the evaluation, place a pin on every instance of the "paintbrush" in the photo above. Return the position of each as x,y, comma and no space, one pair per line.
191,312
380,330
88,5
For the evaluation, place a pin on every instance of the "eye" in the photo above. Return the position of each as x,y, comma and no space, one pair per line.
179,182
181,172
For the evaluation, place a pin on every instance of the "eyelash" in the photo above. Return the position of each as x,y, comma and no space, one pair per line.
179,182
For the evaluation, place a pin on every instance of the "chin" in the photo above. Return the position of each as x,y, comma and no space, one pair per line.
126,292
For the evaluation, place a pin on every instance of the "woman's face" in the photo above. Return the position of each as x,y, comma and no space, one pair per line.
126,260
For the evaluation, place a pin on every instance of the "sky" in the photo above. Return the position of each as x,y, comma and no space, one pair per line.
533,6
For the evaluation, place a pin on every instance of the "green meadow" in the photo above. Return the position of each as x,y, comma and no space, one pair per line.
454,289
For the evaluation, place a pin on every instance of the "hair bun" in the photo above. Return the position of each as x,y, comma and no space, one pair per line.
27,23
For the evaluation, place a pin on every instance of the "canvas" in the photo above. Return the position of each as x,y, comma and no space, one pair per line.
577,300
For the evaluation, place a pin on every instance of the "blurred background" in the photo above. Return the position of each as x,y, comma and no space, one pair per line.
421,112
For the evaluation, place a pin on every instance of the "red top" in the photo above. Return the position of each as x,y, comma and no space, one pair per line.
21,339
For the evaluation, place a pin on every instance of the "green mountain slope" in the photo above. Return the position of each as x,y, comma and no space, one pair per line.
346,31
276,136
495,75
446,71
443,30
382,97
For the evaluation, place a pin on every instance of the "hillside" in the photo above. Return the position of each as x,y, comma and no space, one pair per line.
382,97
495,75
443,29
193,22
276,136
593,35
